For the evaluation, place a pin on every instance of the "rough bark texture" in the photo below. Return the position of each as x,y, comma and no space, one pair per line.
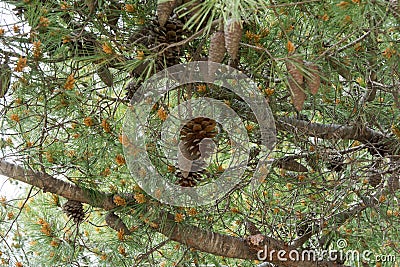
328,131
192,236
56,186
360,133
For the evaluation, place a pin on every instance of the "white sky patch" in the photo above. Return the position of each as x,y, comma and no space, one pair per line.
9,188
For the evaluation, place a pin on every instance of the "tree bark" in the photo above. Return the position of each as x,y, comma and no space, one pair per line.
360,133
192,236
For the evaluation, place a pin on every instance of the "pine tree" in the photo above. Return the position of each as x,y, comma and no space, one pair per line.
69,73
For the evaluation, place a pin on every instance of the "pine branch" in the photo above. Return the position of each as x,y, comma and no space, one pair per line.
360,133
339,218
328,131
56,186
192,236
115,222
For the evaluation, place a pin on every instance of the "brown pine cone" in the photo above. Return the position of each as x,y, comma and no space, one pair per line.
164,10
193,132
74,210
375,179
5,78
233,34
188,179
394,183
217,47
105,75
217,50
395,7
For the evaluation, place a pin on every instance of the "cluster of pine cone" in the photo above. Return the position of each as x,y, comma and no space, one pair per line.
168,28
156,38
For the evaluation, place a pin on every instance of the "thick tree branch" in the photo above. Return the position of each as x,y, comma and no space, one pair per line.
56,186
360,133
115,222
192,236
328,131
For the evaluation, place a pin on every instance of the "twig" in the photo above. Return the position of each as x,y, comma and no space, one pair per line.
335,45
114,99
19,212
145,255
328,152
341,217
293,4
345,38
262,49
354,42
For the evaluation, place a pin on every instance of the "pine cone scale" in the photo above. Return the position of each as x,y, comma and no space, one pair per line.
192,148
233,34
74,210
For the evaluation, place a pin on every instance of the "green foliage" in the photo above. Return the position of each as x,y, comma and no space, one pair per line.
61,117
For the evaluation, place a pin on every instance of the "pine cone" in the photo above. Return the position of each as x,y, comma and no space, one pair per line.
217,50
152,35
313,81
251,228
375,179
5,79
164,10
296,80
105,75
188,179
304,227
336,163
395,7
233,34
193,132
293,68
291,165
74,210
